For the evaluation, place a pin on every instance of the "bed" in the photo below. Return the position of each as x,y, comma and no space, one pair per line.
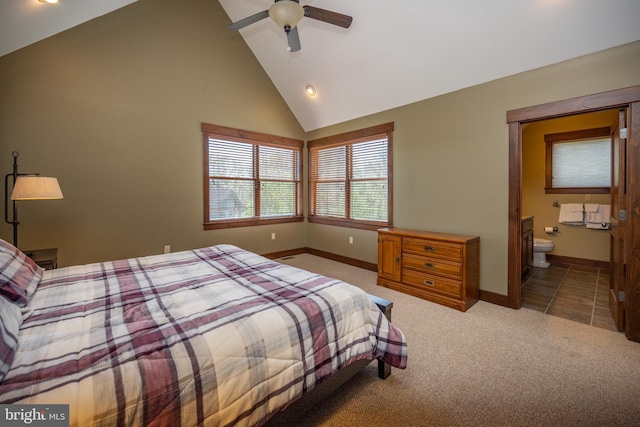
212,336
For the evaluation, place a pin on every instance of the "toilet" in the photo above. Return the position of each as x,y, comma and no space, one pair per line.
540,249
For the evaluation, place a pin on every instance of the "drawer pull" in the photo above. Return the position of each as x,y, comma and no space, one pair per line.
430,248
429,282
429,265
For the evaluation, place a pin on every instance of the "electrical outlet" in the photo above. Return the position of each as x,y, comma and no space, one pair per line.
167,249
351,240
273,236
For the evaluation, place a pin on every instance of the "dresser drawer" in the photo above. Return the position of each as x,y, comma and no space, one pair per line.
431,265
433,248
432,283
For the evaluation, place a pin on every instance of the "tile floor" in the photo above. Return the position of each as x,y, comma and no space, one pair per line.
570,291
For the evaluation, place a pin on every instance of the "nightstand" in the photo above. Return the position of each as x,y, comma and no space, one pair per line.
45,258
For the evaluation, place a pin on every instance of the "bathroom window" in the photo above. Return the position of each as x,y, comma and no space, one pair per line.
578,162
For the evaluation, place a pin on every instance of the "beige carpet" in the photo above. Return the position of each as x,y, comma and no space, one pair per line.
490,366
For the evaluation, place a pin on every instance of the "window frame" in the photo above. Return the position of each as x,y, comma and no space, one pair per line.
344,139
257,139
573,136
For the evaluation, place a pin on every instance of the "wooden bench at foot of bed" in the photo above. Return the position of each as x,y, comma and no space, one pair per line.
385,306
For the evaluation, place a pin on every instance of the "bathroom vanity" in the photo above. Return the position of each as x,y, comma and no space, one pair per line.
527,243
439,267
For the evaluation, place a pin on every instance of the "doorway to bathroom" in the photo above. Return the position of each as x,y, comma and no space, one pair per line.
624,238
572,280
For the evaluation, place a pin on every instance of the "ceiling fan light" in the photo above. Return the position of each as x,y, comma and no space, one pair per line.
286,13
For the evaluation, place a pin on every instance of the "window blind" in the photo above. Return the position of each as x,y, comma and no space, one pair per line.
279,176
369,180
231,184
582,163
351,180
251,180
329,175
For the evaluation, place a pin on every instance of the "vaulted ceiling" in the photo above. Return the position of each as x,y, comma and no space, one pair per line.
394,53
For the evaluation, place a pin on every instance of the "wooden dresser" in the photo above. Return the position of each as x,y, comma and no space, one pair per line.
439,267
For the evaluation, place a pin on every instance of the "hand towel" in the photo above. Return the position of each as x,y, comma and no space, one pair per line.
571,213
591,207
600,219
598,226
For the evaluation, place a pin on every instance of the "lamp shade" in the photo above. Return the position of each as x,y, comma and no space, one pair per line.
286,13
31,187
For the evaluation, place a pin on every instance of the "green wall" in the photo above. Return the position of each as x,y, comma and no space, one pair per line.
113,109
451,155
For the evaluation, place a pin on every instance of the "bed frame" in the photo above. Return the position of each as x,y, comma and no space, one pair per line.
326,388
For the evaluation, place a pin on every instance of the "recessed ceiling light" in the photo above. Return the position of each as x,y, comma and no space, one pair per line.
311,91
49,1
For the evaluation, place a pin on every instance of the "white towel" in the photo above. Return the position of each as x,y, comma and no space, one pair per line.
599,226
600,219
591,207
571,214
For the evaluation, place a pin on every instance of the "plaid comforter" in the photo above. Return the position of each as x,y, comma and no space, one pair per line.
214,336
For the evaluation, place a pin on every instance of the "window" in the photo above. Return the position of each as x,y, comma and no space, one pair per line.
250,178
350,178
578,162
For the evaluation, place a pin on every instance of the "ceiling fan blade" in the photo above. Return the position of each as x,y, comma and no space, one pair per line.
249,20
328,16
293,39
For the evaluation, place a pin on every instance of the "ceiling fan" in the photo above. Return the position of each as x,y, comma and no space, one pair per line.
287,14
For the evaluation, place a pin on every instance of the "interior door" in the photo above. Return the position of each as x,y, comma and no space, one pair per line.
618,262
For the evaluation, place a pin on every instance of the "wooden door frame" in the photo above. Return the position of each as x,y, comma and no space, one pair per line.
602,101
